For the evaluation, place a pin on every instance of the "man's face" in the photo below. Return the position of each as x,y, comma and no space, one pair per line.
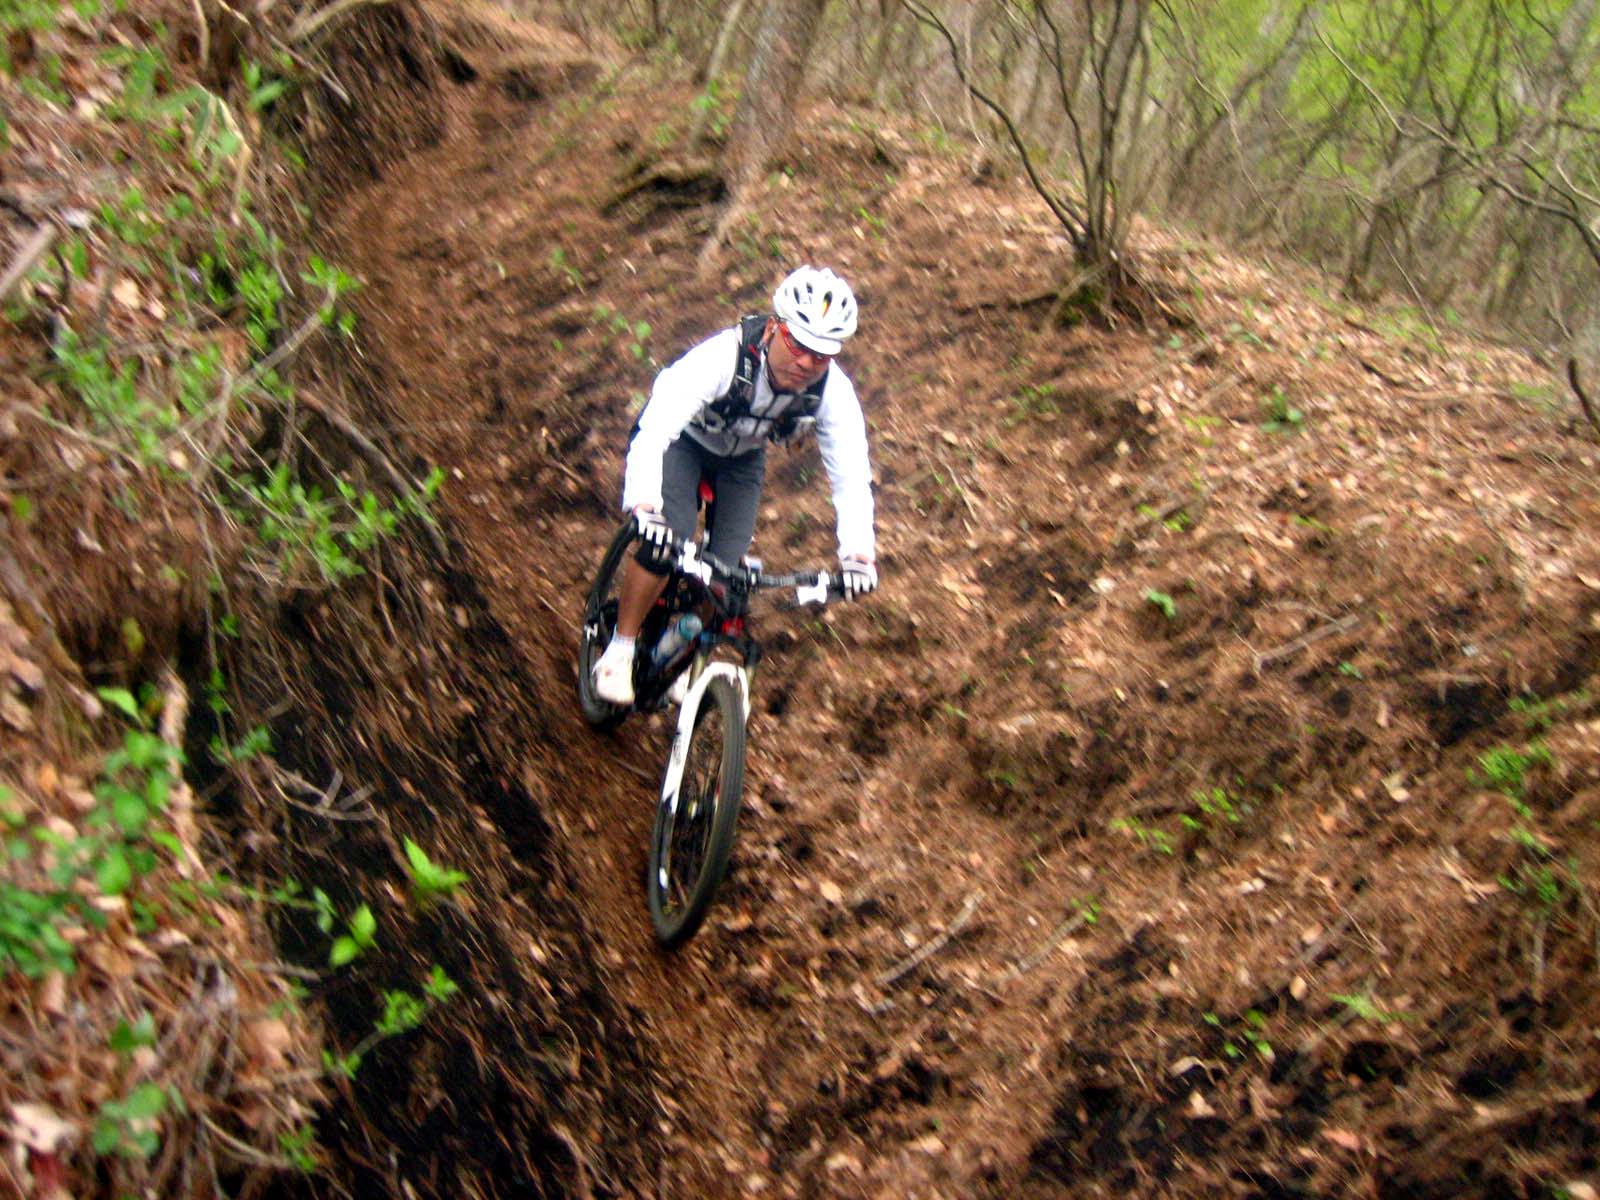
793,366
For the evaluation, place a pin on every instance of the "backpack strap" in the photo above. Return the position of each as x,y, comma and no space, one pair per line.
734,404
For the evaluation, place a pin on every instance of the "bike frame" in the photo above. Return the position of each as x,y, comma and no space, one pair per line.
678,757
685,873
703,670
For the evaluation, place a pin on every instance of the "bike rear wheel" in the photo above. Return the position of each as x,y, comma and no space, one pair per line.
693,836
599,619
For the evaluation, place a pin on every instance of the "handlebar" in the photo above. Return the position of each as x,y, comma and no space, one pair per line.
811,587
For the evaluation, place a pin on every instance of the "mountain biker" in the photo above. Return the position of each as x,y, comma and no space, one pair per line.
710,416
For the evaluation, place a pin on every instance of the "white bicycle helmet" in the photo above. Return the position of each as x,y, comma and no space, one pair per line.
818,307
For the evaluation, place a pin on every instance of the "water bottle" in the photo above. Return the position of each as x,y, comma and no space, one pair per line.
678,635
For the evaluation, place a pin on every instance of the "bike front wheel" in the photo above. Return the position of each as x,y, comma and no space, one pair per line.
693,837
599,620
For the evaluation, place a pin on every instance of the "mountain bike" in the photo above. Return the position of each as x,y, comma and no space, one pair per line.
703,783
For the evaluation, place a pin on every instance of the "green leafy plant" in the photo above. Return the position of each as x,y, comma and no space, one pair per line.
402,1012
116,847
336,284
566,267
633,334
1281,415
358,937
127,1038
1148,836
1161,601
1249,1034
128,1128
1216,809
710,108
1505,769
1361,1006
1538,716
299,1146
264,91
428,880
1034,402
876,225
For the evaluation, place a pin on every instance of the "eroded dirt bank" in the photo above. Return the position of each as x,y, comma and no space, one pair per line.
1180,732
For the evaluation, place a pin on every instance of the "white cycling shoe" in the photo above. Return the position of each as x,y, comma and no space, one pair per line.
613,676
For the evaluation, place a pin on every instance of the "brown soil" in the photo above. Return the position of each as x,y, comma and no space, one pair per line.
1008,743
1162,737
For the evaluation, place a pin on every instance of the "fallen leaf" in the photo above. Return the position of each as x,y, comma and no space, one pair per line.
844,1162
126,293
269,1040
928,1145
39,1127
831,892
52,997
1198,1107
1344,1139
15,714
26,673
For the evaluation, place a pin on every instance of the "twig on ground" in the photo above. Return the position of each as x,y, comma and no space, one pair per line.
307,24
174,717
1342,625
1057,935
35,248
205,33
933,945
245,1152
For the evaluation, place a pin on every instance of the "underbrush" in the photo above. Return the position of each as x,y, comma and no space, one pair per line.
172,472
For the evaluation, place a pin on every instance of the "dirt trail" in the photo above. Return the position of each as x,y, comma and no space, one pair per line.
1160,730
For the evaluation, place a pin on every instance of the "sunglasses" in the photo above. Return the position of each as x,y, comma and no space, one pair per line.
802,353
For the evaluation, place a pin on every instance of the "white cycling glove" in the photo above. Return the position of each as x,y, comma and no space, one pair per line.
857,577
652,528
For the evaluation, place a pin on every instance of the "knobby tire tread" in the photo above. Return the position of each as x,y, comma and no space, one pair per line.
596,711
675,928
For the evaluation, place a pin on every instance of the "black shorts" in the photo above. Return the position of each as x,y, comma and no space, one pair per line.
737,482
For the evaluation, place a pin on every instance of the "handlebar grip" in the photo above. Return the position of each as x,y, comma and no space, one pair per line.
816,593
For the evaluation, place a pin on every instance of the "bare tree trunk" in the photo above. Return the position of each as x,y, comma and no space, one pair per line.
766,112
767,107
713,74
719,49
897,44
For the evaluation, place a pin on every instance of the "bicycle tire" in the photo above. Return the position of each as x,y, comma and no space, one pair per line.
599,618
693,840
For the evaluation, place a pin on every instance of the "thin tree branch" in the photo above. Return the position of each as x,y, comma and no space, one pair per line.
1583,396
1074,223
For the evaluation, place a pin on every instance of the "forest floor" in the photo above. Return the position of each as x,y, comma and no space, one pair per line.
1167,730
1209,801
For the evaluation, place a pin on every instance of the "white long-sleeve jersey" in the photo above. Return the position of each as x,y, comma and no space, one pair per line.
678,404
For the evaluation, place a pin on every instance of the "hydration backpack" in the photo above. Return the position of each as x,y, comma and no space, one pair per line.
731,410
